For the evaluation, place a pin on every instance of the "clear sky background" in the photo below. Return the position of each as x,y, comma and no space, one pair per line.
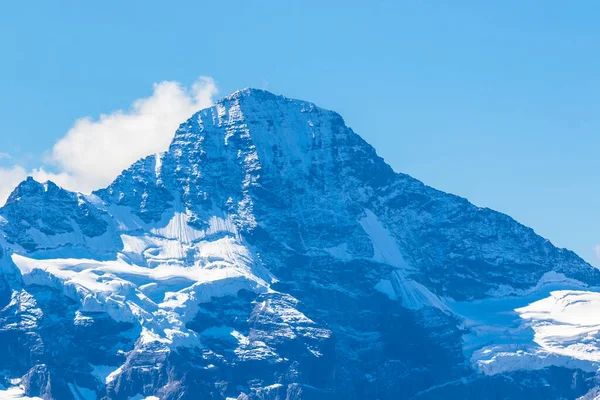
498,102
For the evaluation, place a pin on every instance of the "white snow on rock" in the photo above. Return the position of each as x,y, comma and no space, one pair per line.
506,358
385,247
538,328
566,323
103,242
411,294
177,271
104,373
15,392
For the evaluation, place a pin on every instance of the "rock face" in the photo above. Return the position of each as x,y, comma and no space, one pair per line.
271,254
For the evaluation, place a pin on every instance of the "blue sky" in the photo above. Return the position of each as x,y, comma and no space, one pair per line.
495,101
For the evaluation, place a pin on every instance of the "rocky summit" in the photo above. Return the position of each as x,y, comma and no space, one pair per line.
270,253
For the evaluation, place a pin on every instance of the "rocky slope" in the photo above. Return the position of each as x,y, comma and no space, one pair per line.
271,254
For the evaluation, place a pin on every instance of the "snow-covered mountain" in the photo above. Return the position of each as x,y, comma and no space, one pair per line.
271,254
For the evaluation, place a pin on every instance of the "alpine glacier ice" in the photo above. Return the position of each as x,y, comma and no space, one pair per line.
271,254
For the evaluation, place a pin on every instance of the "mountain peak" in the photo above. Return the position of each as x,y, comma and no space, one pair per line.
31,187
249,101
274,128
251,92
274,247
251,141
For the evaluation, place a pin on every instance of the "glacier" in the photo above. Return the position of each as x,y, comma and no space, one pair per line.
270,253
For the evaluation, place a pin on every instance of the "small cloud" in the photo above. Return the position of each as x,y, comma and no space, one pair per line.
597,250
94,152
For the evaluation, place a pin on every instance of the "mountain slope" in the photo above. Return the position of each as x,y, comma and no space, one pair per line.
270,253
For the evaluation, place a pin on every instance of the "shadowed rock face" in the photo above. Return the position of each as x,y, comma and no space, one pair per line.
268,254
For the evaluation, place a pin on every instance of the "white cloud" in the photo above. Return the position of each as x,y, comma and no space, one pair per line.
597,250
94,152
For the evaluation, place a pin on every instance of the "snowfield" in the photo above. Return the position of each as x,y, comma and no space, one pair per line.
16,393
540,328
181,271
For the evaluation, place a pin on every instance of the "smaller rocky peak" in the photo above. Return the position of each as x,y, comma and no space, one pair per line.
29,187
35,208
31,190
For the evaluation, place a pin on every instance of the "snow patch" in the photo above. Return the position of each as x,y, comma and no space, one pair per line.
103,372
411,294
104,242
15,392
566,323
163,295
538,328
385,247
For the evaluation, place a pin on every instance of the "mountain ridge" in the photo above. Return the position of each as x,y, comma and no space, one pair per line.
250,91
271,253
